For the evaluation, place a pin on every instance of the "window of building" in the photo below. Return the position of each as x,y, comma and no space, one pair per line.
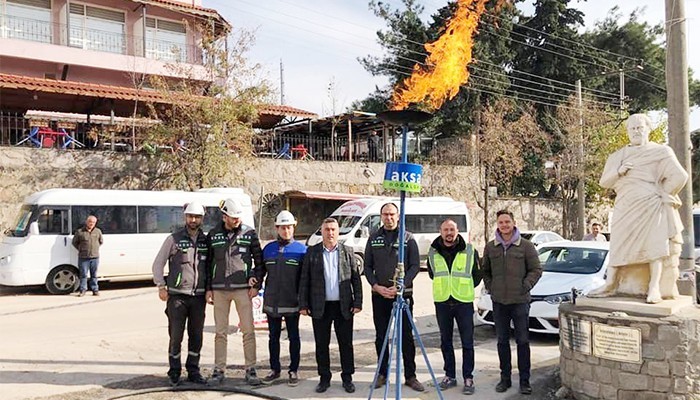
26,19
93,28
166,40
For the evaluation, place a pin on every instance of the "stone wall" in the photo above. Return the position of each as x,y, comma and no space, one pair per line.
27,170
670,359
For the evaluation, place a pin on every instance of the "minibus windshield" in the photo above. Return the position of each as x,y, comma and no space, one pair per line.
21,226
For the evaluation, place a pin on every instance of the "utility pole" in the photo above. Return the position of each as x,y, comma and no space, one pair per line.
281,83
678,127
581,186
622,93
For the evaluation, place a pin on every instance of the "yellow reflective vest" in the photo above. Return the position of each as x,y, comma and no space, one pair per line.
457,281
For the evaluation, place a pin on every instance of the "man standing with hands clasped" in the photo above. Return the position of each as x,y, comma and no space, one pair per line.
453,265
185,251
381,260
88,240
330,292
511,268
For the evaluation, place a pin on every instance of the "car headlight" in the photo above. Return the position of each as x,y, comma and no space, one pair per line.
558,298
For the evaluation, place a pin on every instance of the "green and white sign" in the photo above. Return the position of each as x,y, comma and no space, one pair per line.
403,177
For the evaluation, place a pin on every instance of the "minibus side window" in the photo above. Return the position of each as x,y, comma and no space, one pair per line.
160,219
110,219
212,217
53,221
430,223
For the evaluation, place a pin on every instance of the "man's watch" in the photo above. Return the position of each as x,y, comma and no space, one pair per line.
162,287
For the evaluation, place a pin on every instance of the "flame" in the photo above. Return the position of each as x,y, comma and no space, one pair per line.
445,69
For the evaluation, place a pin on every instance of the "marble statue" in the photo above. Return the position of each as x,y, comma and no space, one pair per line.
645,237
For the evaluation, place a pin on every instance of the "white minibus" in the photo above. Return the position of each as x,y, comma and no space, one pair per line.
37,250
357,218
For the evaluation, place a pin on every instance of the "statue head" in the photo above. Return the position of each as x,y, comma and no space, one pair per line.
638,128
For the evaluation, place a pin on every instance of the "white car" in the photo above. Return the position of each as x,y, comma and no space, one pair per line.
567,266
540,237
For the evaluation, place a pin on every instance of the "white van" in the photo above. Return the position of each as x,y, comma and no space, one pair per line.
357,218
37,250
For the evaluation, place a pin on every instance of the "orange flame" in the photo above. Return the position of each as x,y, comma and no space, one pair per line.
445,69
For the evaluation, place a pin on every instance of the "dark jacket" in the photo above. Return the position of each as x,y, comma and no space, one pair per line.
382,257
449,253
187,260
510,274
282,265
312,288
87,243
231,257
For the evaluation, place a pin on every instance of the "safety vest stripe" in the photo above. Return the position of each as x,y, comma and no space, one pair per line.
440,273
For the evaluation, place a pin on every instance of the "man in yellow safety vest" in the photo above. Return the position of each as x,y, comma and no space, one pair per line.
453,265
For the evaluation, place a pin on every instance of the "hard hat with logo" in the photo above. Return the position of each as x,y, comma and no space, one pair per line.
194,208
231,208
285,218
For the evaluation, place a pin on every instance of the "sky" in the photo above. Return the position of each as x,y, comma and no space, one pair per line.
318,43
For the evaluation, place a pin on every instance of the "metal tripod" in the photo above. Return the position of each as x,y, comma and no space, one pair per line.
395,327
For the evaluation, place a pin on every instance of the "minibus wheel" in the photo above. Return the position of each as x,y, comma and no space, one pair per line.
62,280
359,262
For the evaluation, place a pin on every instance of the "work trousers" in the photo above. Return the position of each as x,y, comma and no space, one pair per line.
381,310
343,333
222,309
274,325
447,313
503,314
183,310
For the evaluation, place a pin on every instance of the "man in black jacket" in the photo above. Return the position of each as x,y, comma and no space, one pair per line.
381,259
234,248
330,292
185,251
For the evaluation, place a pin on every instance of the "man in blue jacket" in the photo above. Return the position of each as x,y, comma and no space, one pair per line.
282,264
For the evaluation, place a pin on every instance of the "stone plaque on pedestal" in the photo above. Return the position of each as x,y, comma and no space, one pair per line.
575,334
617,343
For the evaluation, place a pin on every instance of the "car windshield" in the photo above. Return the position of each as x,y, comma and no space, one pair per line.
21,226
527,236
572,260
346,223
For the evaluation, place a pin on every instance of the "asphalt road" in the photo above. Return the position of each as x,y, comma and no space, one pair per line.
67,347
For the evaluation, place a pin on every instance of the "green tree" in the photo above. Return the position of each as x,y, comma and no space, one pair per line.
640,46
207,123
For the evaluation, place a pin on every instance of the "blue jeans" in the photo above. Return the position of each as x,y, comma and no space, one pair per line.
85,265
519,314
275,328
463,313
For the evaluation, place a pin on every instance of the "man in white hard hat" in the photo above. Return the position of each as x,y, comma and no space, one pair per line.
233,249
282,265
185,251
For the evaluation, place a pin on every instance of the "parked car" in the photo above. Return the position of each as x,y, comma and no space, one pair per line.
567,265
539,237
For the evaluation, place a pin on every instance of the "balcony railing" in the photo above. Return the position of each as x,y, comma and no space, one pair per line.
12,27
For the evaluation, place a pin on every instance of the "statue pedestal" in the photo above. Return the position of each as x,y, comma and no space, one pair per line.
646,352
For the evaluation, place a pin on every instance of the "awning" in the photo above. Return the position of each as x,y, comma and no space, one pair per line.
19,92
307,194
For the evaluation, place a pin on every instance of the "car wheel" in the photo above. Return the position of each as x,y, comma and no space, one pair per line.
359,262
63,279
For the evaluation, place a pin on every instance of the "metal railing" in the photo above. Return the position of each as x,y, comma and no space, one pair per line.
12,27
14,128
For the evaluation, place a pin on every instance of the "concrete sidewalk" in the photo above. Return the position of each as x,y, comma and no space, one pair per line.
486,375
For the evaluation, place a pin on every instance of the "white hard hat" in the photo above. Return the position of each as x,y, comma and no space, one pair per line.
231,208
285,218
194,208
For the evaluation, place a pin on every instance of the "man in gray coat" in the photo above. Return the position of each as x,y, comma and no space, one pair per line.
511,268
